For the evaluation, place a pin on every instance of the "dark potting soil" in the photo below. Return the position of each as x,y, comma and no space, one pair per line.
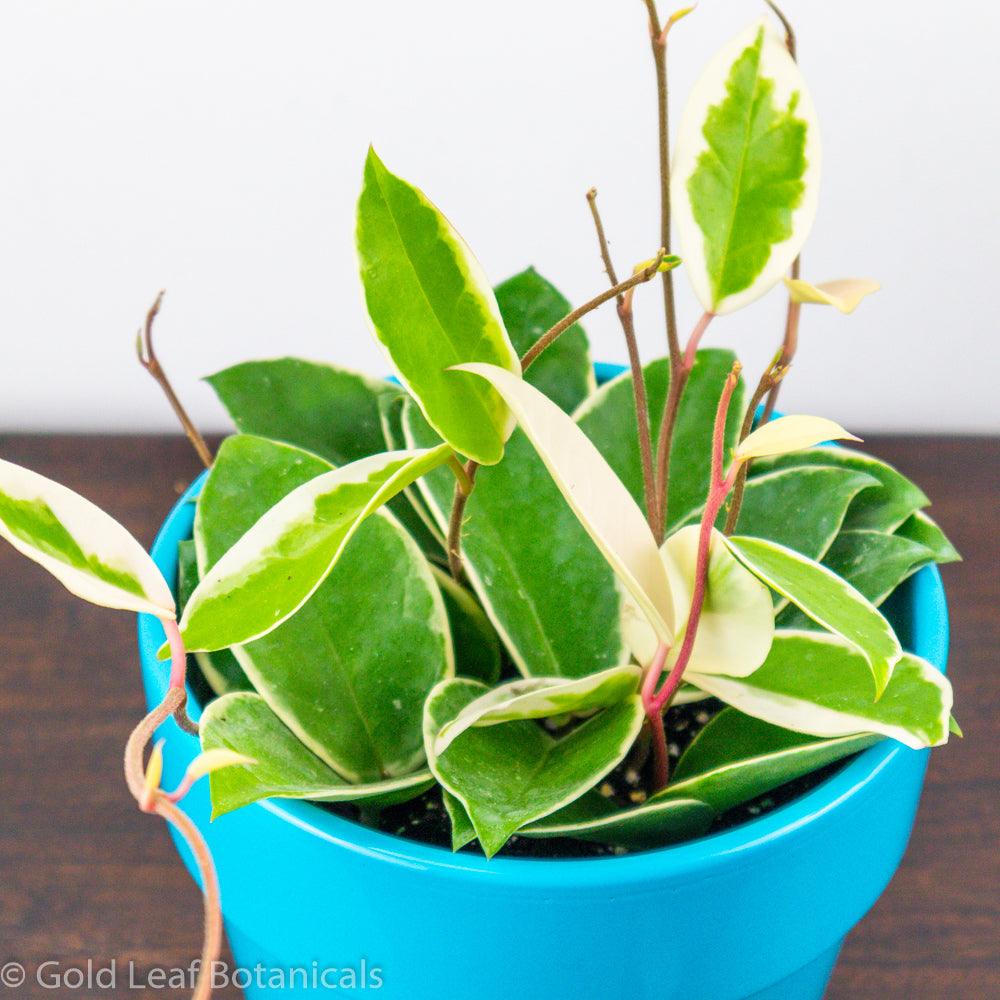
424,819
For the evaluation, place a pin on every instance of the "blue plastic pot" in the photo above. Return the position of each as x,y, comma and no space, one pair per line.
755,913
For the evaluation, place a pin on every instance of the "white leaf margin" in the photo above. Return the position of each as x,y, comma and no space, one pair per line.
540,698
596,495
709,90
818,720
716,649
98,535
297,507
877,626
477,280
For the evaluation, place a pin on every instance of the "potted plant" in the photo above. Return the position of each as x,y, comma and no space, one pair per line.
513,683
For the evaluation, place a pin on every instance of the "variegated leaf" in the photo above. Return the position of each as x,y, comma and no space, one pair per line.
84,548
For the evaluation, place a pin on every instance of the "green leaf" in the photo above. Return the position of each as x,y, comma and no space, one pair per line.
919,527
819,684
737,619
220,669
826,598
746,171
875,563
477,646
541,698
278,564
599,820
529,306
511,775
543,583
736,757
594,493
282,767
354,702
330,411
608,419
86,550
431,308
802,508
410,508
883,506
462,830
250,475
335,413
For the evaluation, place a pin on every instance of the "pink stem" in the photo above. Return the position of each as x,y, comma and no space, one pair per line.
718,490
180,791
653,672
695,339
178,654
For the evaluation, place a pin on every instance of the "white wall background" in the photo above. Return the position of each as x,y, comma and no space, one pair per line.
215,149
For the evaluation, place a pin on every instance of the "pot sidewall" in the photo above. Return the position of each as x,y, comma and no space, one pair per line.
722,918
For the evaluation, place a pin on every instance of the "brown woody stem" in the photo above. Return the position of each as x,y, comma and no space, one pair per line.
627,320
773,374
554,332
791,340
462,479
679,374
454,541
148,359
788,347
212,938
546,340
658,46
790,42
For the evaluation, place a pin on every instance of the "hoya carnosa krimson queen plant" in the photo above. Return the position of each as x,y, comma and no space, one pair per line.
490,585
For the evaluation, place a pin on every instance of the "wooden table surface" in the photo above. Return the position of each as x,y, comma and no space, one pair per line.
84,875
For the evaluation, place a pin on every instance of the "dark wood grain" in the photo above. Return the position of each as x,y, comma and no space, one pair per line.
84,875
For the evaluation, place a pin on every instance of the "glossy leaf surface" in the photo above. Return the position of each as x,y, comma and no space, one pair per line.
544,585
282,766
826,598
277,565
84,548
355,703
431,308
330,411
736,758
819,684
220,669
883,506
653,824
541,698
595,494
737,618
608,419
790,433
509,775
746,170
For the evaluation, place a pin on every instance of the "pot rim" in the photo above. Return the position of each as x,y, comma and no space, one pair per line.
925,606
